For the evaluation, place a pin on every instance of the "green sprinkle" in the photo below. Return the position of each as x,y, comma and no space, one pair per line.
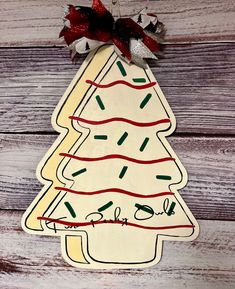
162,177
79,172
121,68
100,103
145,100
144,208
101,137
171,210
69,207
139,80
144,144
123,172
106,206
122,139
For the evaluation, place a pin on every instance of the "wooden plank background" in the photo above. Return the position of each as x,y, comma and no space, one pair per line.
197,77
30,22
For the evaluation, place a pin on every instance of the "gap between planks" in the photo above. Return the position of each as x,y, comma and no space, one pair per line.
164,43
175,134
21,211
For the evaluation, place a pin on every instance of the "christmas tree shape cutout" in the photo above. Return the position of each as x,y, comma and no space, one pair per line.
111,179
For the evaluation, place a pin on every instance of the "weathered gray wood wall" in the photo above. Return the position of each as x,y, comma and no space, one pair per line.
197,77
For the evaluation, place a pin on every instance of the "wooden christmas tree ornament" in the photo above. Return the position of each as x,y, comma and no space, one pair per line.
111,179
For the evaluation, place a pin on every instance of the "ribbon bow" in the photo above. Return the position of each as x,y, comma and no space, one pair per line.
134,38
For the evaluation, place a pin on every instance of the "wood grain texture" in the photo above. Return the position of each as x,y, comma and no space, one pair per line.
209,162
28,22
196,79
29,261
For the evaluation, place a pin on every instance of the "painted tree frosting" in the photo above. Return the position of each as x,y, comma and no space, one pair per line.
117,178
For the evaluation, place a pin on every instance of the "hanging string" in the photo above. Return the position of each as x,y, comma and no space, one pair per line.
115,4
